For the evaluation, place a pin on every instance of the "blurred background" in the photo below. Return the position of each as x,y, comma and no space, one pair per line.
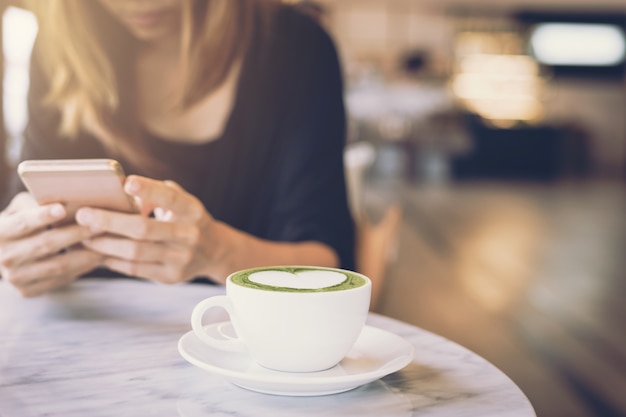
487,168
498,128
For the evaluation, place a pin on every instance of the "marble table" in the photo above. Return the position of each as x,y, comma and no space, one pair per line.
104,347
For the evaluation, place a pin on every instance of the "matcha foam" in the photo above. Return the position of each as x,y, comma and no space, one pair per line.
298,279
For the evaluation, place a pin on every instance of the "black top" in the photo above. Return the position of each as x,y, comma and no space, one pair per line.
277,170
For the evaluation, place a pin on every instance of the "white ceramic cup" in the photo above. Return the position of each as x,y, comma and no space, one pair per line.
291,318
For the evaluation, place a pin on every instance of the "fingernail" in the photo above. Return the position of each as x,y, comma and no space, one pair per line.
132,186
84,216
57,211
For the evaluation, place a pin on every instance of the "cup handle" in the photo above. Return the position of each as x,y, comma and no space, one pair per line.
230,344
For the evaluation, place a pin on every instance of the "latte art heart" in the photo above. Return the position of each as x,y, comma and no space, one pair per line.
298,280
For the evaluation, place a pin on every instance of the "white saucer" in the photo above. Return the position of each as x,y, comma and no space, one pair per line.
375,354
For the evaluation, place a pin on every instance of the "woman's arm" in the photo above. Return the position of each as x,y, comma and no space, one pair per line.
183,241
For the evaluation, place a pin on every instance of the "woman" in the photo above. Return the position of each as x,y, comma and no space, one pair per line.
229,115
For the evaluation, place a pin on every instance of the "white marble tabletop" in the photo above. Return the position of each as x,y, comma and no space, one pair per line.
105,347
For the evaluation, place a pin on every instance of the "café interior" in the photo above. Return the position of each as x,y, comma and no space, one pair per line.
486,164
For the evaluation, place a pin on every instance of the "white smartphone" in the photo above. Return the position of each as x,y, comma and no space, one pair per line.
77,183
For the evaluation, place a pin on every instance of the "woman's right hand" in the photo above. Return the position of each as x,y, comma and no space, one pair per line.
36,254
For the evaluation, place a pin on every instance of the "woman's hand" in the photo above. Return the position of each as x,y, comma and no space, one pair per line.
183,241
37,257
177,245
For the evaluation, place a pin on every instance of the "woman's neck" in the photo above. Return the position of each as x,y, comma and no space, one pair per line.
167,47
159,80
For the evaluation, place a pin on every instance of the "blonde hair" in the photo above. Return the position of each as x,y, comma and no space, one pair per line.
85,85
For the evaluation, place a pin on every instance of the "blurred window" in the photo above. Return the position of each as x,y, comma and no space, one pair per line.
578,44
19,28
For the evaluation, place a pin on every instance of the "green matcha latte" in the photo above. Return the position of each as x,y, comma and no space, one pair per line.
298,279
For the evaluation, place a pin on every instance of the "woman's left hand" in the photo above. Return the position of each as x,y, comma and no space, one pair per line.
177,245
